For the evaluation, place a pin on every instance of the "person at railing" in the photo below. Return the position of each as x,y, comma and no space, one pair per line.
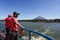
14,26
7,23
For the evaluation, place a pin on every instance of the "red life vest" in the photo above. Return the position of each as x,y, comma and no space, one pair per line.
14,26
7,22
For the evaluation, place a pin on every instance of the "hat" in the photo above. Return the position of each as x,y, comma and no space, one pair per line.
16,13
10,15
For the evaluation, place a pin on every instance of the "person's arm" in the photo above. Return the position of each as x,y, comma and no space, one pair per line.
18,23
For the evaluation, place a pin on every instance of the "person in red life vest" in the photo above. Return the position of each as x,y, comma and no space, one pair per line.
7,22
14,26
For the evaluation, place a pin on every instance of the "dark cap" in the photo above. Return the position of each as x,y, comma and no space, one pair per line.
15,13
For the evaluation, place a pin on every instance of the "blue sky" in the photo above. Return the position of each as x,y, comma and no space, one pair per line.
29,9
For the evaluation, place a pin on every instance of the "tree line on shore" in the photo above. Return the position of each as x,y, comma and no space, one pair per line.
49,21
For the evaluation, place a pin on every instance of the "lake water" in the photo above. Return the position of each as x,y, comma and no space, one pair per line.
51,29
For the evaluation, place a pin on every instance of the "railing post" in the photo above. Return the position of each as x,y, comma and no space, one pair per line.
30,34
0,27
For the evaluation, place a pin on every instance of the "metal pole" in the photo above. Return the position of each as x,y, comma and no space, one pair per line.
0,27
30,34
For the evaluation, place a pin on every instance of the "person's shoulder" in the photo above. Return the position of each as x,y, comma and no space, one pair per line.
14,18
6,18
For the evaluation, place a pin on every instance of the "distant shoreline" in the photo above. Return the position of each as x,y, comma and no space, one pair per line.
47,21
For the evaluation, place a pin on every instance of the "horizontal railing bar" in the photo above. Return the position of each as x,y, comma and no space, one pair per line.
39,33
